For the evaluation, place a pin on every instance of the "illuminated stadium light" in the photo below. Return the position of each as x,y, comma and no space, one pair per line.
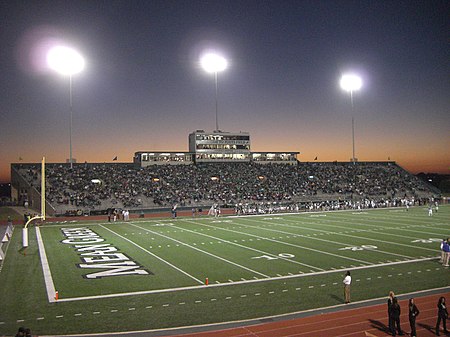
351,83
66,61
155,180
214,178
213,63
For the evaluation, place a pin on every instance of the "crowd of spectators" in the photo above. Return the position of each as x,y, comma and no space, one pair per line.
100,186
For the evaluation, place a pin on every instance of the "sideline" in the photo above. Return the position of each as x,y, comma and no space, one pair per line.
146,292
202,328
48,279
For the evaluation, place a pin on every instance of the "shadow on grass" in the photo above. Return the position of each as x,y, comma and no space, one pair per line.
337,298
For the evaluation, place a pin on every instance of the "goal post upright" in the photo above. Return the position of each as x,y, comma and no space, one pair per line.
42,215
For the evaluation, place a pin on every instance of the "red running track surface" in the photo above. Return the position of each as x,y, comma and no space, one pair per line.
367,321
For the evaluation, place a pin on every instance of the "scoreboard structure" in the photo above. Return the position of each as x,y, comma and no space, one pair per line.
215,147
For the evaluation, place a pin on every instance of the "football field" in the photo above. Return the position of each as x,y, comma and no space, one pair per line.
86,276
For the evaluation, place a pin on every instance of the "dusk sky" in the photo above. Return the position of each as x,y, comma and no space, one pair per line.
143,89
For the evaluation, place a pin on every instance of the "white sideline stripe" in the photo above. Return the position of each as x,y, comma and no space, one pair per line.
246,247
154,255
204,252
210,325
212,285
49,285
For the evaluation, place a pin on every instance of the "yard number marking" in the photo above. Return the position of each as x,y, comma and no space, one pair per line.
430,240
363,247
281,255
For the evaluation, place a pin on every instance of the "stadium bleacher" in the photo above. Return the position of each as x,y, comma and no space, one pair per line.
89,187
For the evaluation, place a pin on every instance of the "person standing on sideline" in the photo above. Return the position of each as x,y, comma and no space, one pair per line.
442,251
347,281
430,211
395,317
413,313
442,315
389,303
446,250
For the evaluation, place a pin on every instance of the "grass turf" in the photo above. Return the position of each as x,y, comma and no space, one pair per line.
249,246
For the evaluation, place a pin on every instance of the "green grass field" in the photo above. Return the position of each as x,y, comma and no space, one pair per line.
151,274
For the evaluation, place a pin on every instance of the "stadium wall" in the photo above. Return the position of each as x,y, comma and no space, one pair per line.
22,191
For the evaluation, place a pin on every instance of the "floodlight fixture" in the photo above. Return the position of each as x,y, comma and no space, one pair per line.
213,63
351,83
66,61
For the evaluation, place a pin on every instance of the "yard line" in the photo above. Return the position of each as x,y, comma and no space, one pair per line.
288,244
246,247
204,252
154,255
403,229
363,237
48,279
313,238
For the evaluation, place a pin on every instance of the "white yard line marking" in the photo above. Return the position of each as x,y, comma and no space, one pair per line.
154,255
360,230
291,244
352,236
205,252
250,248
48,279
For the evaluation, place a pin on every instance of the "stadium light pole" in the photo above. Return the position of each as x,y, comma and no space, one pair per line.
213,63
351,83
68,62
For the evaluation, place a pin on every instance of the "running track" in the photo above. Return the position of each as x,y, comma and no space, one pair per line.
359,322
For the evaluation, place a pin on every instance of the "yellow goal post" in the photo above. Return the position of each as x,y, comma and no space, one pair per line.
42,215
